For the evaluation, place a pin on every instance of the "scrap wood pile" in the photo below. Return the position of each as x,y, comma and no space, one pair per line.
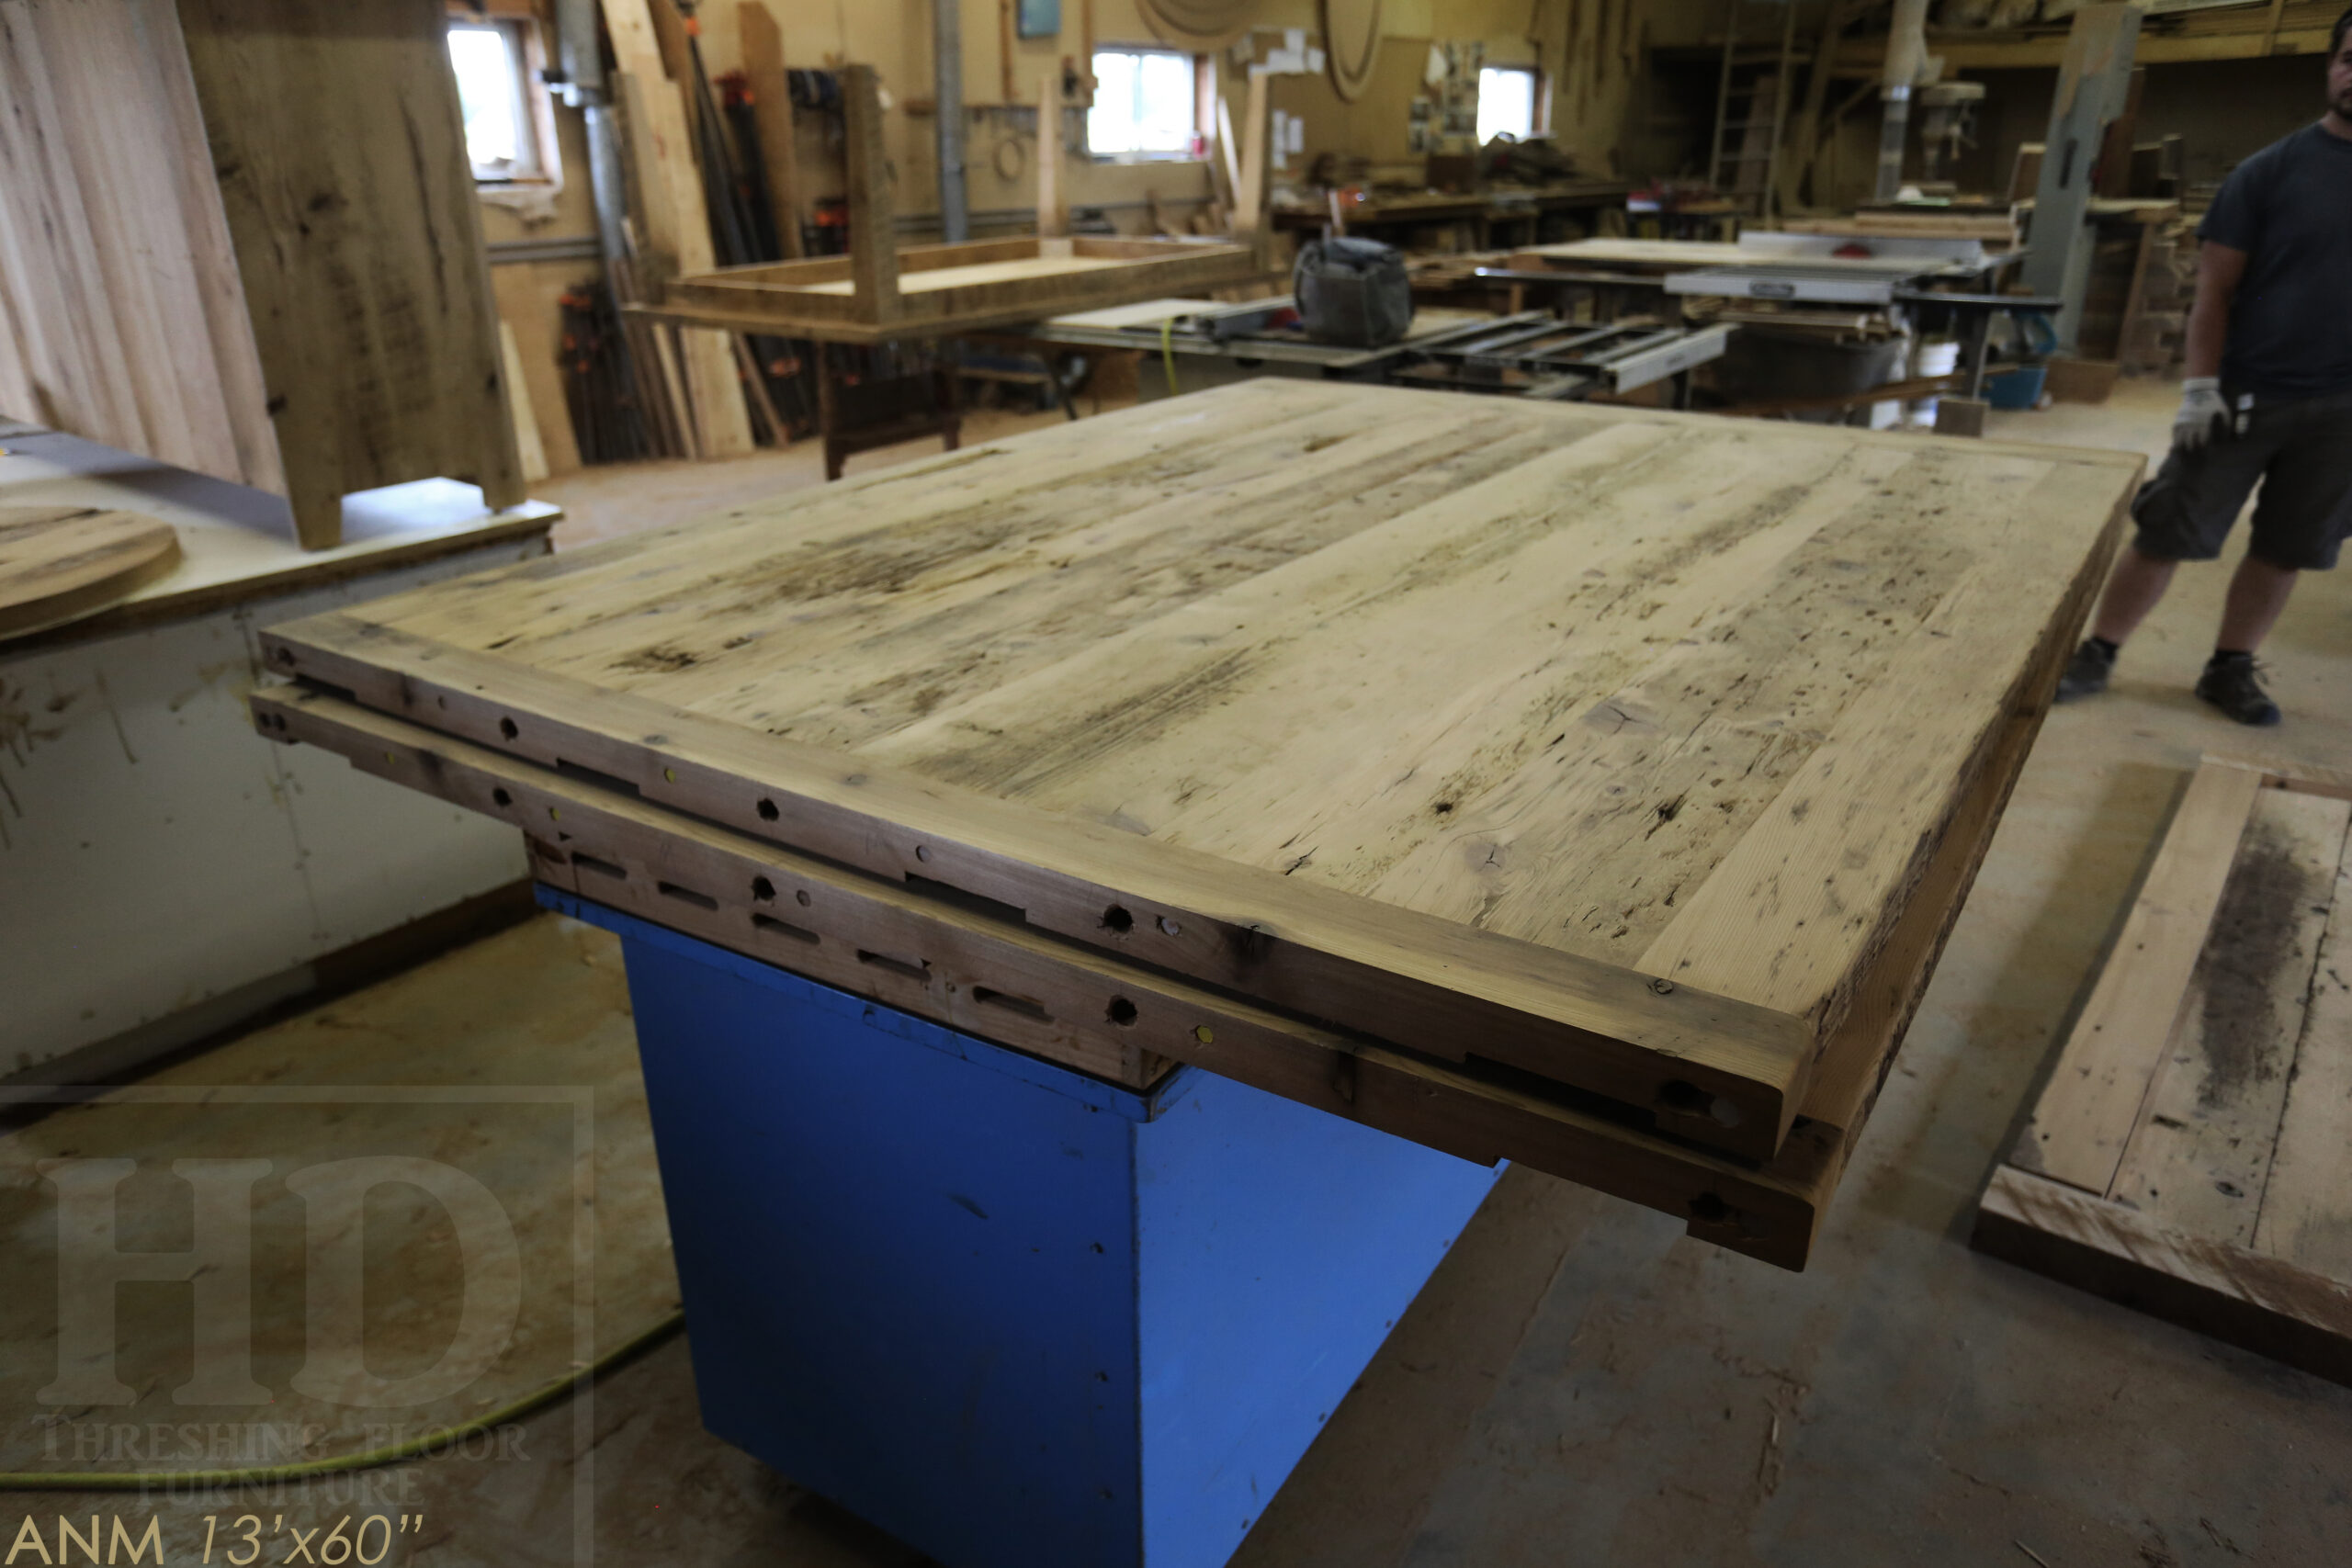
1527,779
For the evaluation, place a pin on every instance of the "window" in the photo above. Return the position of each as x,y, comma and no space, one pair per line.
1506,103
494,92
1143,105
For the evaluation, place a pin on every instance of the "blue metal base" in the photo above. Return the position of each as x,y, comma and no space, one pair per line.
1008,1313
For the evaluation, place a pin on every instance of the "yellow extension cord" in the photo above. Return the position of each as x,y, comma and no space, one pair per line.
393,1453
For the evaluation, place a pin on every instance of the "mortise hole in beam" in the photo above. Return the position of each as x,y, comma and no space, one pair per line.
1118,919
775,927
1121,1011
768,813
763,890
1024,1006
1708,1208
687,896
501,796
601,867
1676,1094
508,727
912,971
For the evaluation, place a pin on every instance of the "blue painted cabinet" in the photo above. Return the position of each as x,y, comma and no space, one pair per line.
1007,1311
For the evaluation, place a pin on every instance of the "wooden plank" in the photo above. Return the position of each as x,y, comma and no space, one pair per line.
974,659
378,339
125,318
1053,187
962,966
2199,1158
2306,1204
873,211
2262,1303
761,45
674,222
2085,1116
1250,190
534,454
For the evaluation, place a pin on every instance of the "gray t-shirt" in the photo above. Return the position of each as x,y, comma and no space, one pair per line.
2290,208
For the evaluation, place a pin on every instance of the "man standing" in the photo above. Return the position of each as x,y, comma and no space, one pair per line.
2267,398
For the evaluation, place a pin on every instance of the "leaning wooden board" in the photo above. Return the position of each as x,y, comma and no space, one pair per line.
1597,751
2192,1153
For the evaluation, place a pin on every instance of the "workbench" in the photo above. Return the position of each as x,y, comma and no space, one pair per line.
162,875
1191,346
1589,787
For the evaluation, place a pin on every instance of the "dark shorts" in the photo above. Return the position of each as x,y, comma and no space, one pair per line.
2301,454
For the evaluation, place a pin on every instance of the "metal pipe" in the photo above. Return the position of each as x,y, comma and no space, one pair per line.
947,91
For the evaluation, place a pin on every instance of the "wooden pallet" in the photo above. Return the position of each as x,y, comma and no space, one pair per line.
2192,1154
1630,760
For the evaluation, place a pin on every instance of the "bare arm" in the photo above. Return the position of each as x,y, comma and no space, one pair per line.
2219,270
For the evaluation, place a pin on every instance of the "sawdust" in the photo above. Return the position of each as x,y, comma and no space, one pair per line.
2253,938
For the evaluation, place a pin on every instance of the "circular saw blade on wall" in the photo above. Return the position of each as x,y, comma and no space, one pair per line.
1200,26
1351,43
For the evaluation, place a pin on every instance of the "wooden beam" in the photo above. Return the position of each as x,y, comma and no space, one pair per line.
1053,193
764,73
872,214
1250,187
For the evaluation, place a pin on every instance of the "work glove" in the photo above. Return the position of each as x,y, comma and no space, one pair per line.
2201,410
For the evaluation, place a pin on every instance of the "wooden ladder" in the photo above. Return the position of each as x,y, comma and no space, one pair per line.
1752,101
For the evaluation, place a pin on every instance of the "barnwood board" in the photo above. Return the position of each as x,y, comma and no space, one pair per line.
770,86
2085,1116
2200,1159
2240,1297
2230,1201
378,340
721,885
122,318
2306,1215
984,650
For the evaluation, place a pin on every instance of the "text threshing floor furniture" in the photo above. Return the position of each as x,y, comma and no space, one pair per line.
1588,786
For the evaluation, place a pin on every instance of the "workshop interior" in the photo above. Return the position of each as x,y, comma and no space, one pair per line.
1156,784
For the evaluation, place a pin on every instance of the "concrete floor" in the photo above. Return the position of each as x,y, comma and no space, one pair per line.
1579,1384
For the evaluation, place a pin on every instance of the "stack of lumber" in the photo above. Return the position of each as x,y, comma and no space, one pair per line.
1587,786
2192,1154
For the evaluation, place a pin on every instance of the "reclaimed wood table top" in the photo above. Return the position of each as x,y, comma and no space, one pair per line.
1635,758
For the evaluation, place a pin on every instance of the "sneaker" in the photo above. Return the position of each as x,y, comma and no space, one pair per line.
2236,688
2087,672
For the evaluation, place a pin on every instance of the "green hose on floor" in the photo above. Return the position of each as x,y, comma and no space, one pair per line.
393,1453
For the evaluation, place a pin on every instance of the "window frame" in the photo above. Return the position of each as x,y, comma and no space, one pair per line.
1195,149
1538,98
535,103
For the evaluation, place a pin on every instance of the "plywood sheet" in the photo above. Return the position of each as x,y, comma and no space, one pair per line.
1610,746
